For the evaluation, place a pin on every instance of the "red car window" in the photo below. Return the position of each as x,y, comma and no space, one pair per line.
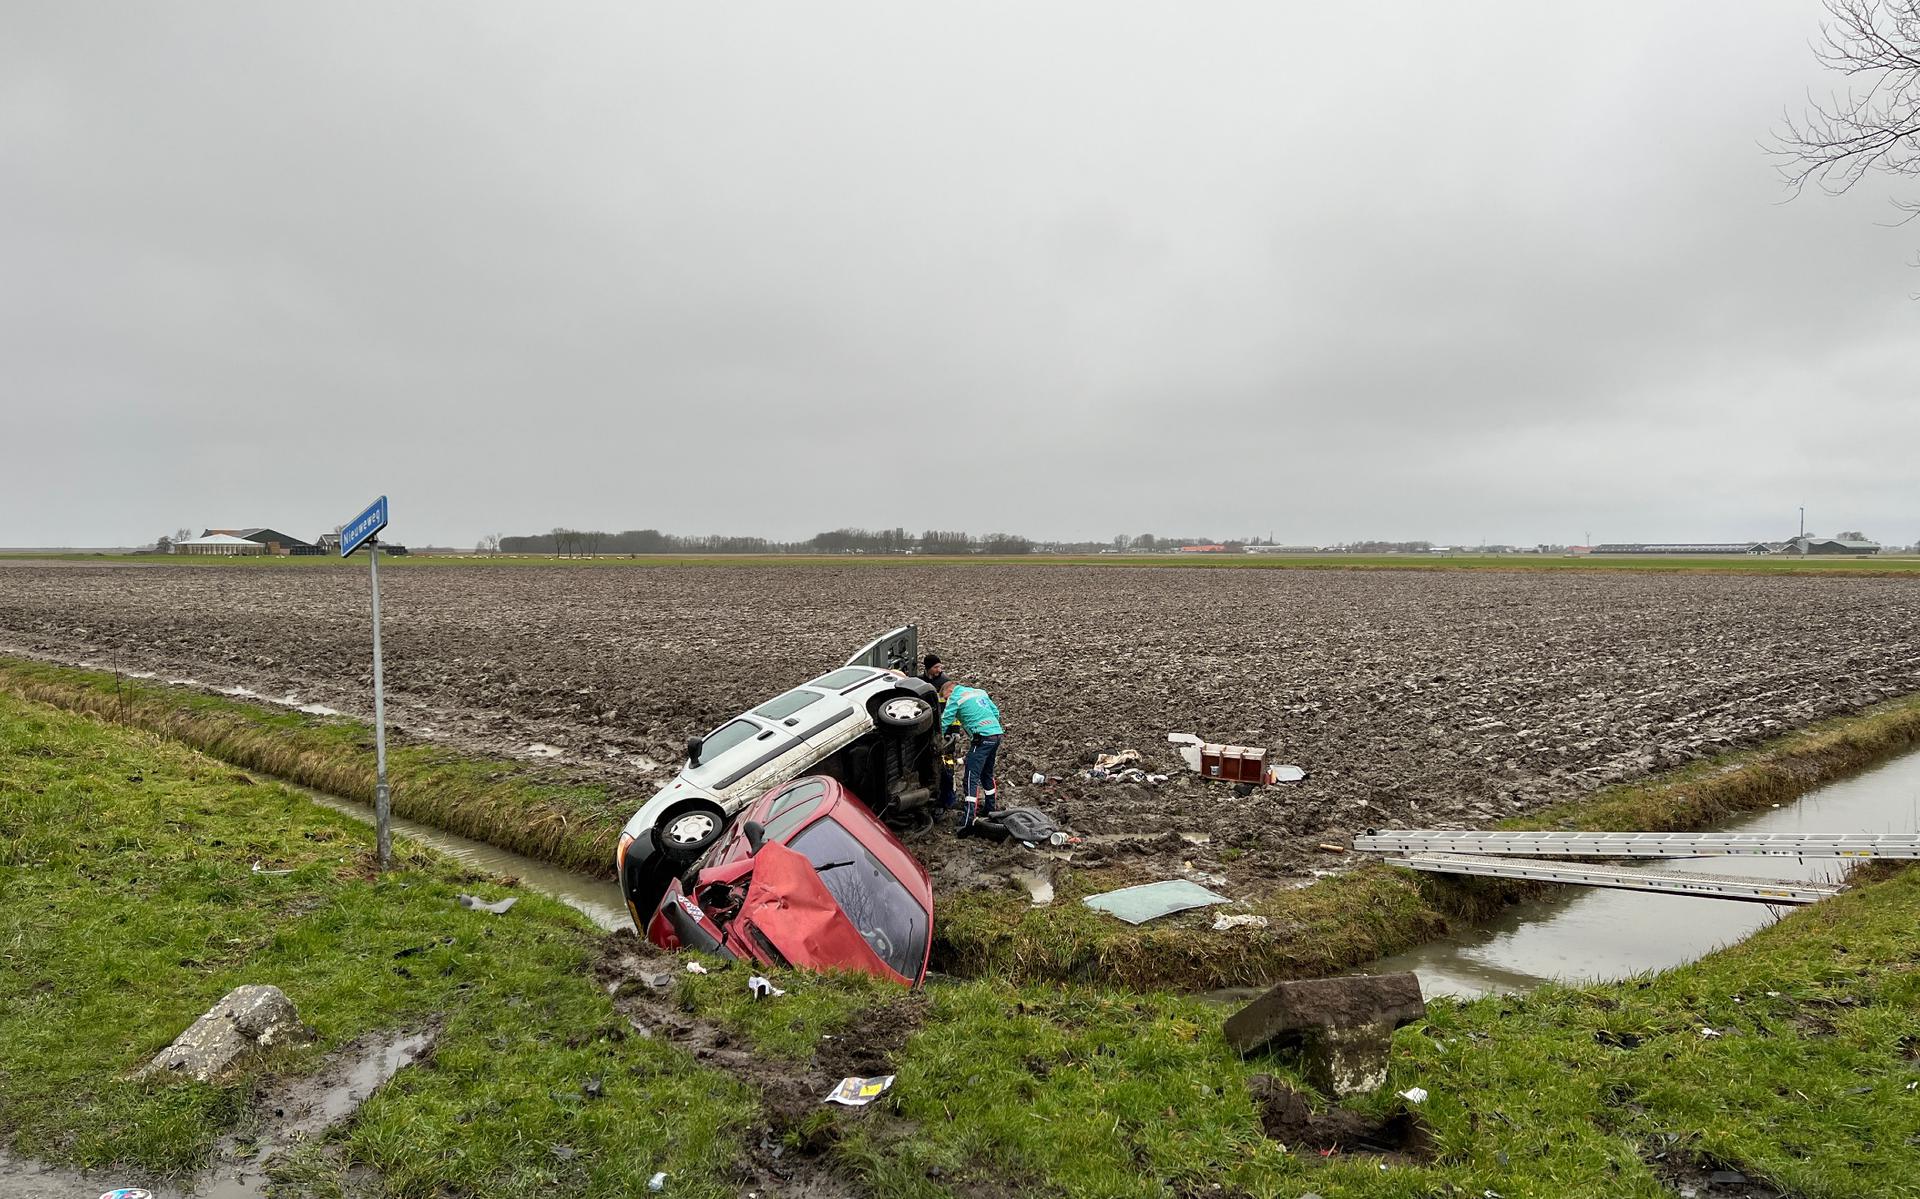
889,919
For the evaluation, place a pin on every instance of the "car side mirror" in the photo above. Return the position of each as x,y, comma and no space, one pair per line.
694,745
756,834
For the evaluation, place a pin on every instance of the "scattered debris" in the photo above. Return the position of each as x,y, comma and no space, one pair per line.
761,987
128,1193
255,1016
658,1182
1330,847
1342,1027
697,968
1150,901
1413,1094
1112,762
858,1092
258,870
499,908
1285,774
1223,922
1029,826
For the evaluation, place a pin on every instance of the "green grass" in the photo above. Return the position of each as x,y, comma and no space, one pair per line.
128,906
1732,564
529,808
1074,1090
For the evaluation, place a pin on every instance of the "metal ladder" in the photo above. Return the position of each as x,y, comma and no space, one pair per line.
1627,878
1641,845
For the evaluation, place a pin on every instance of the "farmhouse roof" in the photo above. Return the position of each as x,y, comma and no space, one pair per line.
217,539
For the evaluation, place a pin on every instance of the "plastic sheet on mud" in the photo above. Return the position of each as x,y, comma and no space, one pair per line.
1150,901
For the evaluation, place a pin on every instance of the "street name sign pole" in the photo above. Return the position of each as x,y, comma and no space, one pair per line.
364,529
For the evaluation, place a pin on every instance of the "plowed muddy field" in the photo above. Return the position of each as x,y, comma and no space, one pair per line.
1410,698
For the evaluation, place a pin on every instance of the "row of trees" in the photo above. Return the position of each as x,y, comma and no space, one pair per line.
587,543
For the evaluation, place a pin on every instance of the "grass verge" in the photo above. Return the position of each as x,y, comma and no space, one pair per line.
128,905
1793,1057
535,810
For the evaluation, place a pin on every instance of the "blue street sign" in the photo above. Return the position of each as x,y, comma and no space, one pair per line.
363,527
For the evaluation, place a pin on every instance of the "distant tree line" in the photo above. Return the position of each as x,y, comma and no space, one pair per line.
587,543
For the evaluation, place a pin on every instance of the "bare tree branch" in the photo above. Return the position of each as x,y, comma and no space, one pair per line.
1872,127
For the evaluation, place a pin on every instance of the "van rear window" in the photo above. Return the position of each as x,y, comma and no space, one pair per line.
786,705
846,676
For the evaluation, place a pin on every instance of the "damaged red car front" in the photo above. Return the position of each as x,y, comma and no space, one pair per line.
806,877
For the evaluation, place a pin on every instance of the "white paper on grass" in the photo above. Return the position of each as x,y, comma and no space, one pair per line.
858,1092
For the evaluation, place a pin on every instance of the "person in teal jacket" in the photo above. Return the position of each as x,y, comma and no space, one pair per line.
973,710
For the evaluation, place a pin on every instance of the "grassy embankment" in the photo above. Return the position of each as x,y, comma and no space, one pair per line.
128,903
526,807
1332,925
1663,564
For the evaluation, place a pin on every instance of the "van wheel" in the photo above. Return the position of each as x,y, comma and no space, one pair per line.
689,831
903,714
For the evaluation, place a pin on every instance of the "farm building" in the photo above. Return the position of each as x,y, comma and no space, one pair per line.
222,544
274,540
1809,544
1204,549
329,543
1681,547
1284,549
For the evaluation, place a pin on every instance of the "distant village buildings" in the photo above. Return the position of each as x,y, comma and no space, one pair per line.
262,541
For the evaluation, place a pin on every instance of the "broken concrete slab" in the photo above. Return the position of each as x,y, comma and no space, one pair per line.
1341,1027
255,1016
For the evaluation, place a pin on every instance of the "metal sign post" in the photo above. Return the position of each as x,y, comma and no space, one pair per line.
364,529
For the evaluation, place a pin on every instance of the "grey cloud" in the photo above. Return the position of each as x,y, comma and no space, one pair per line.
1414,270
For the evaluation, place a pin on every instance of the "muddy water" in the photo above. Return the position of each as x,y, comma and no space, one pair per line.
598,899
1583,934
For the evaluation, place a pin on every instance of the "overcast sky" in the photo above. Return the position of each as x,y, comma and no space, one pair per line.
1512,271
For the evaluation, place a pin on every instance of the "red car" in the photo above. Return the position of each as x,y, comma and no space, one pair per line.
807,877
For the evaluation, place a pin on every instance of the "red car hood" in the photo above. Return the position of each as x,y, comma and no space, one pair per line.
791,908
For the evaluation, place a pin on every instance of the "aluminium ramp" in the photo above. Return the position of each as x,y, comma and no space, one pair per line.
1627,878
1641,845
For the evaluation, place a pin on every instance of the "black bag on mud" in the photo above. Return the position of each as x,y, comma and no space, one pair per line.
1029,825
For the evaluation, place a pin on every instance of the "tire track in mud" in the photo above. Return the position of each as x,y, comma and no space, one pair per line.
790,1152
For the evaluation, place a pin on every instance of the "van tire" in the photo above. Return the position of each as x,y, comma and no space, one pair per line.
902,714
688,831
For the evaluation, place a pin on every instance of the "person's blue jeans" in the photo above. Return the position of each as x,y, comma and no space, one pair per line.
980,780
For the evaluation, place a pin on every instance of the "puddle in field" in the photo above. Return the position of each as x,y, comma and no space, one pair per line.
1585,934
598,899
1039,884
